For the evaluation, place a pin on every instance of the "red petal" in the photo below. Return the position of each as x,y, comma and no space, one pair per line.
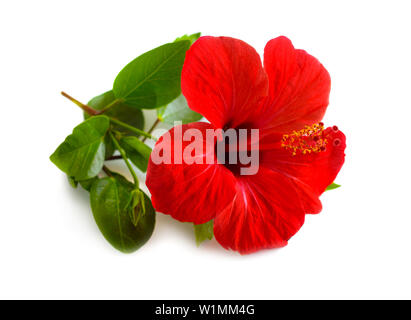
189,193
265,213
310,173
299,87
223,79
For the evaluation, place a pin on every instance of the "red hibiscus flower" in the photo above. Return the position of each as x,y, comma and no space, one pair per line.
224,80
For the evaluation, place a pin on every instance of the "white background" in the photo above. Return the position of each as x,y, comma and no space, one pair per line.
50,247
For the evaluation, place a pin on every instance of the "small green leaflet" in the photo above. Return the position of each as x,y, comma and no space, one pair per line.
110,203
332,186
87,184
73,182
192,37
178,109
81,155
204,231
153,79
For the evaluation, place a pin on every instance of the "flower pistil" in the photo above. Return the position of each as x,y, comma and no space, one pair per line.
307,140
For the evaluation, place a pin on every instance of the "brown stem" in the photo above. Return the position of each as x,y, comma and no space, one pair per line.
107,171
114,158
152,128
83,106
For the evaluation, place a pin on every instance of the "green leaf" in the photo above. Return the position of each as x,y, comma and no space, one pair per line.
110,203
121,111
332,186
178,110
137,151
192,37
204,231
81,155
153,79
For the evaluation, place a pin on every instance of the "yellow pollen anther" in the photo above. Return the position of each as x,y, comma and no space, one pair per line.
311,139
